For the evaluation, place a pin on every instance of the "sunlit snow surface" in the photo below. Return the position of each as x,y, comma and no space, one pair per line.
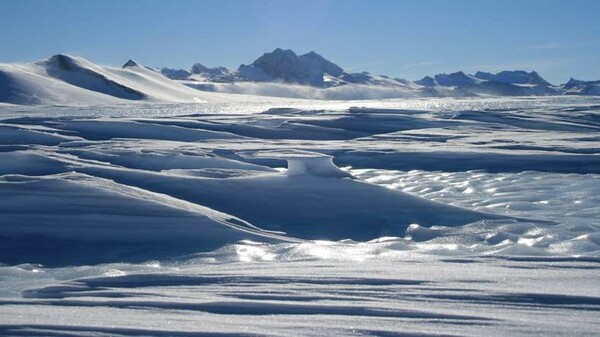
181,220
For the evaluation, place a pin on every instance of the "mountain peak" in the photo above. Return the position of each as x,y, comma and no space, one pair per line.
427,81
287,66
131,63
59,58
317,63
279,64
458,78
281,51
63,61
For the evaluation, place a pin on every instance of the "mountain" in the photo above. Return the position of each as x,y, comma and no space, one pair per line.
65,79
578,87
504,83
514,77
316,63
286,66
311,69
282,65
199,72
130,64
457,79
427,81
176,74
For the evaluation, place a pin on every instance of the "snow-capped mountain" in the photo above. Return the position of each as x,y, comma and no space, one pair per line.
457,79
64,79
578,87
504,83
311,69
200,72
514,77
284,66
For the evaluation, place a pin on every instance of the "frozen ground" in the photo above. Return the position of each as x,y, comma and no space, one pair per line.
378,218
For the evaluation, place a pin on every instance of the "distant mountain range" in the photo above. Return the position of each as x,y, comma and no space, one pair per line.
285,66
64,79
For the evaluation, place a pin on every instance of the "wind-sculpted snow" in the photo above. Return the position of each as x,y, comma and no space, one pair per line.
389,296
233,164
426,218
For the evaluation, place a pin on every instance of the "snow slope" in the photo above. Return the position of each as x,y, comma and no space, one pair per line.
64,79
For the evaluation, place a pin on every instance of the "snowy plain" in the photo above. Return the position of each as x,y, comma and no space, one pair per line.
281,217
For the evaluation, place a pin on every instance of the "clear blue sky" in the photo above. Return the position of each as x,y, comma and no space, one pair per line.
406,39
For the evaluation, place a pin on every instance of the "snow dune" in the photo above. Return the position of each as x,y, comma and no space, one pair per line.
72,218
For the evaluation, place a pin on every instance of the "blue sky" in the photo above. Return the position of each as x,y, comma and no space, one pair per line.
406,39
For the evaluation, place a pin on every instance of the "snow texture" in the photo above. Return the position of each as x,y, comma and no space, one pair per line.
414,217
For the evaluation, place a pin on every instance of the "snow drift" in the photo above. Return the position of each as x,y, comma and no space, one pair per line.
275,177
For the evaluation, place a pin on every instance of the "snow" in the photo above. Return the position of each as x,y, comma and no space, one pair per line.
306,163
71,80
426,217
